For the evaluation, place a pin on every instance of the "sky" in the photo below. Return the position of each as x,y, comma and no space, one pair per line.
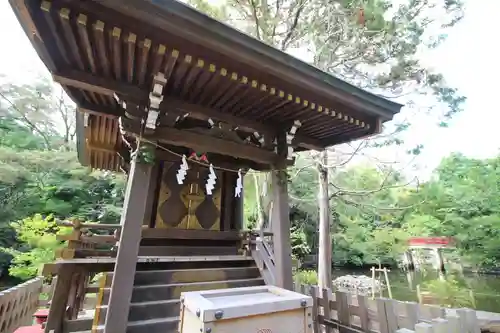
468,59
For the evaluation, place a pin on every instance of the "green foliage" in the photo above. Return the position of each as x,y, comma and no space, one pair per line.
146,153
40,182
372,214
306,277
449,292
298,239
37,245
373,222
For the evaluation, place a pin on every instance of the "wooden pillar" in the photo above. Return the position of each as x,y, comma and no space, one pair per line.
134,209
152,199
408,260
231,206
439,260
325,240
57,312
280,227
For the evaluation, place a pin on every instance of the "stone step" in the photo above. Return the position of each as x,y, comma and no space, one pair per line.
183,250
173,291
148,310
162,277
163,325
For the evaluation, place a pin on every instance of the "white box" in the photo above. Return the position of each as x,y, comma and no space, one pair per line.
263,309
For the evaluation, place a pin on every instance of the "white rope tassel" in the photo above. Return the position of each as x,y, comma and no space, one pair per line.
181,174
239,185
212,177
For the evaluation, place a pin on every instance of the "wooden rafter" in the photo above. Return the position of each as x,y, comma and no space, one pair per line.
136,95
100,85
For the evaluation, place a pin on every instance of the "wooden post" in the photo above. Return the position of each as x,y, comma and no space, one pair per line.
343,300
419,294
373,282
468,318
411,264
453,323
325,240
382,316
57,312
134,209
423,328
387,282
327,311
363,312
411,315
313,291
280,221
472,298
440,325
281,230
439,260
390,312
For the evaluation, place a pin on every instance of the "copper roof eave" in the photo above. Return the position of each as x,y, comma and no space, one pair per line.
168,15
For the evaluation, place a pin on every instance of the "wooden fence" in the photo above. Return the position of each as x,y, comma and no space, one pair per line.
347,313
18,304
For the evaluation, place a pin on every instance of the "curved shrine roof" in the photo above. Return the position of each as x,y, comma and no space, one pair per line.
106,52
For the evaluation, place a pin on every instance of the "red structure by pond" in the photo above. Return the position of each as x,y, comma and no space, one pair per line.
431,242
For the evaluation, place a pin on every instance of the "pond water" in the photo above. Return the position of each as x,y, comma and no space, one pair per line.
483,290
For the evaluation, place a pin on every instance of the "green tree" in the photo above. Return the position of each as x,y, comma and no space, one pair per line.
371,44
41,108
37,245
37,179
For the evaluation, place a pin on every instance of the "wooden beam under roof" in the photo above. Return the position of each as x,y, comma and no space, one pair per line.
205,143
99,110
100,85
132,93
203,113
172,153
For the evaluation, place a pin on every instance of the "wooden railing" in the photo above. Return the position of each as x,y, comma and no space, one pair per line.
18,304
349,313
85,240
74,296
259,245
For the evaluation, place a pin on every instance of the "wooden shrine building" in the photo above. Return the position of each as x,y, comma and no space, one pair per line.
163,92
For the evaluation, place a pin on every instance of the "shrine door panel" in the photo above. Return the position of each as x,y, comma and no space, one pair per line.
187,206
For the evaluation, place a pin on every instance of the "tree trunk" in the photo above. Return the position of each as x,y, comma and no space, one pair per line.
325,241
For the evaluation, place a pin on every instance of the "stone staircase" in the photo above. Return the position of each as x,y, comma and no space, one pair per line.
158,285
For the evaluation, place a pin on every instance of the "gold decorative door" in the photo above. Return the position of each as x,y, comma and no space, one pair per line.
186,206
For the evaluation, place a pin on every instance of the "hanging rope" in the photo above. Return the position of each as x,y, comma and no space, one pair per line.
195,161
